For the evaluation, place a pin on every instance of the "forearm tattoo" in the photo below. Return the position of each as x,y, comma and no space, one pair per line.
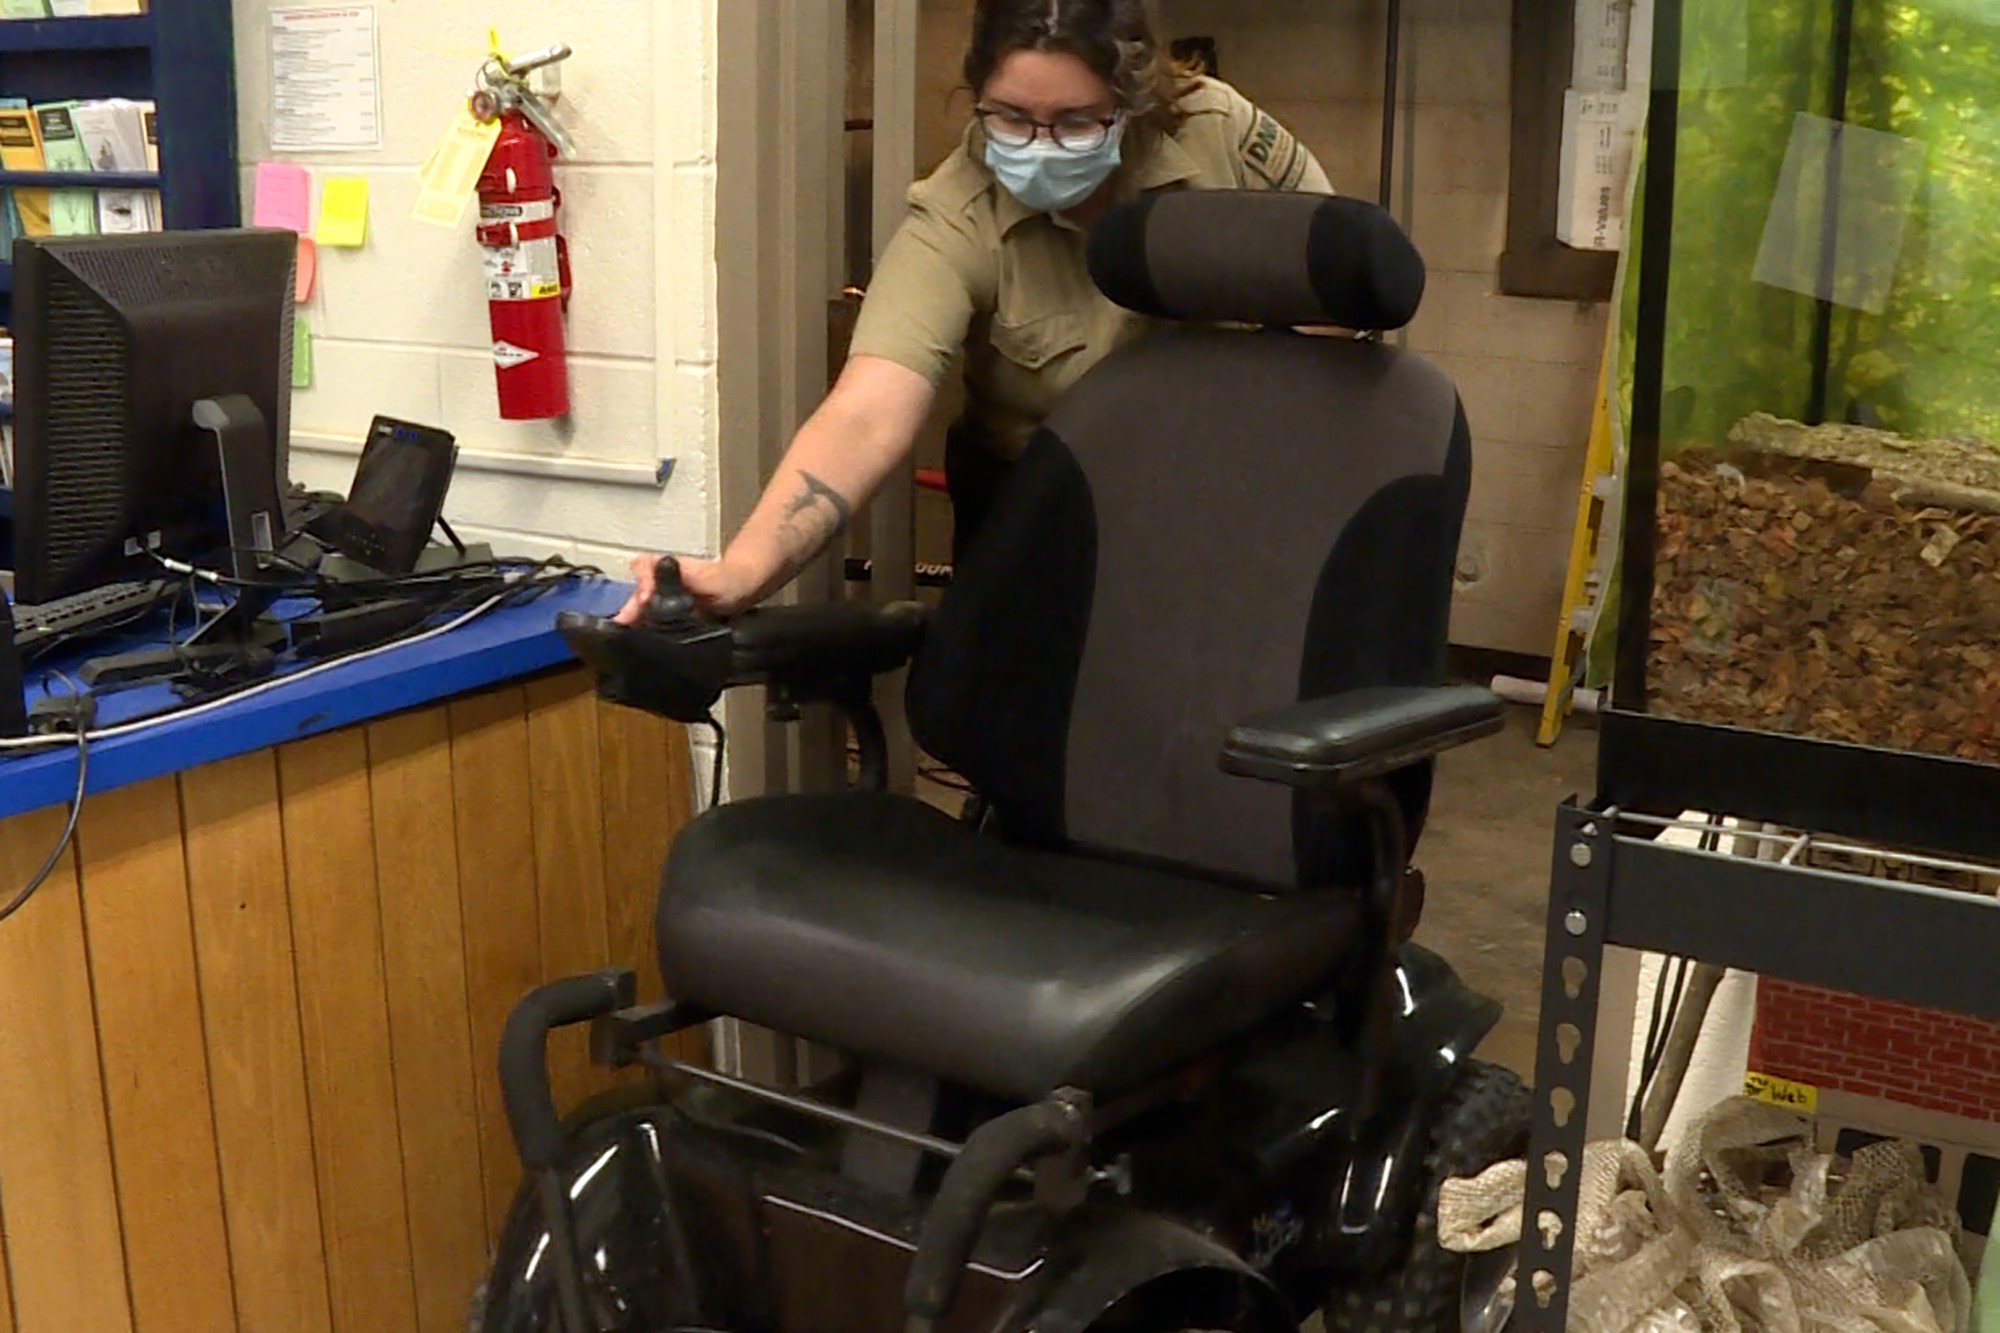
816,515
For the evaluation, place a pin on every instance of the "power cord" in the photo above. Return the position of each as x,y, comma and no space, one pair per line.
60,718
75,711
715,767
519,586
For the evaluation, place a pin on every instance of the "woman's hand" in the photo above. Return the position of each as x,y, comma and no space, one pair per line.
719,587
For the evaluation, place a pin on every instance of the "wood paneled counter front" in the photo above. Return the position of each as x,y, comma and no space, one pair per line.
248,1027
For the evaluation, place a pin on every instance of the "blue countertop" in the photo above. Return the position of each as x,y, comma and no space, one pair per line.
167,736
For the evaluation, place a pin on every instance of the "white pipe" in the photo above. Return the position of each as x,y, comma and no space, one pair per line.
1532,692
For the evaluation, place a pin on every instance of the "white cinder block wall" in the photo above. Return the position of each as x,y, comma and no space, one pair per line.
1526,369
400,324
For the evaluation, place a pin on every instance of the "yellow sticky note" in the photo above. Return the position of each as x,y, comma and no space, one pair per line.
302,354
1800,1097
343,212
451,172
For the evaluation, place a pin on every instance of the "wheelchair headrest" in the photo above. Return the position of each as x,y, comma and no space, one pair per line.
1258,257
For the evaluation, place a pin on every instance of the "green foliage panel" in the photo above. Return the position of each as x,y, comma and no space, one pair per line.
1916,336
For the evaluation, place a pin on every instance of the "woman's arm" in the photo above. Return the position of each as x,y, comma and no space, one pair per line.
865,427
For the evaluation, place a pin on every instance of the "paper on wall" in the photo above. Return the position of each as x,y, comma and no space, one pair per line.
451,172
283,197
326,88
1599,134
1601,32
343,212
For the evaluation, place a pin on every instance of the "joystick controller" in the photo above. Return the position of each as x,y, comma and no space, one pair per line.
670,605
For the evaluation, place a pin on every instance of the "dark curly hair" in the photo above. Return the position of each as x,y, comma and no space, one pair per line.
1118,39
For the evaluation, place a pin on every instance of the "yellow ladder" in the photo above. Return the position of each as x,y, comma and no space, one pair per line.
1584,585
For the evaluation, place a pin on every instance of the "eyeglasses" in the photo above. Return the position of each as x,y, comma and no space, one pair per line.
1017,129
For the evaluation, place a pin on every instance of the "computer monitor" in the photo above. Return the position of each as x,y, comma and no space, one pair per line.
117,340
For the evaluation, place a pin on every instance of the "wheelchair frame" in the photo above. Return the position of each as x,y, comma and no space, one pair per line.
1172,1204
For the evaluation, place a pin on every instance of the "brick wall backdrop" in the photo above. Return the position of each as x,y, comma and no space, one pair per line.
1926,1058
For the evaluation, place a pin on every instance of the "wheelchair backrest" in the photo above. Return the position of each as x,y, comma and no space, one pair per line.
1214,521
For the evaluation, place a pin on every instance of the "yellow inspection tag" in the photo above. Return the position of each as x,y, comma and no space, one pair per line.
451,173
1800,1097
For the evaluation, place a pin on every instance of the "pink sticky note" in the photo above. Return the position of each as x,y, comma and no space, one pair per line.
284,197
307,267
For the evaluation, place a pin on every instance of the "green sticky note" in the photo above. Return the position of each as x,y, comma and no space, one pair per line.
302,354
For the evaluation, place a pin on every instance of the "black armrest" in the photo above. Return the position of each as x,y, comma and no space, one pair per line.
1344,738
811,647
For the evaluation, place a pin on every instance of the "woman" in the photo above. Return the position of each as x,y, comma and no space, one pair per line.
1078,107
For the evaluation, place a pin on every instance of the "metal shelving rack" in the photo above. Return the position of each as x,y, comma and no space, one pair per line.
1615,882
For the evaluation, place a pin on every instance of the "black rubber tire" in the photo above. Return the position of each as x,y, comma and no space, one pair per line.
612,1101
1483,1120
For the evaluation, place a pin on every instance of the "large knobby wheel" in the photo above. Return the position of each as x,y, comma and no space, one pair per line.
1484,1120
611,1102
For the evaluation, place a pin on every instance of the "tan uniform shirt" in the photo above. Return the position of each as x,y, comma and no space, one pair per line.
973,269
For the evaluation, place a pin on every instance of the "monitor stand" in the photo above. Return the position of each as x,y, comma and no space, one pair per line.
240,641
437,558
13,700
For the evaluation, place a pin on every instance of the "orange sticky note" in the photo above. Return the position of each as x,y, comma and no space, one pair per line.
308,268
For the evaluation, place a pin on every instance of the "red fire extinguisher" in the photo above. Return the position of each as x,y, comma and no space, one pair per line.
526,257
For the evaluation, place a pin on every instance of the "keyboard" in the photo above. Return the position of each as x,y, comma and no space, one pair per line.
97,609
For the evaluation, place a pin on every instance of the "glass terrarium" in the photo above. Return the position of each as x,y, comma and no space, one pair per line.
1811,366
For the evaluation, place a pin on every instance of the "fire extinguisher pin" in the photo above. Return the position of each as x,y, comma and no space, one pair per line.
503,87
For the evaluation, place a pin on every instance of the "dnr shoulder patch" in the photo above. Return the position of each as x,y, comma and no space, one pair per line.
1271,151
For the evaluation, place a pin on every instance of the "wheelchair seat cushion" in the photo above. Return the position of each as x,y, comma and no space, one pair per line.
884,928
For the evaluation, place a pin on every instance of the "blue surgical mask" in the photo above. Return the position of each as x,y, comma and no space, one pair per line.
1051,179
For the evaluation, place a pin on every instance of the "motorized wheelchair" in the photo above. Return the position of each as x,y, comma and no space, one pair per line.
1149,1046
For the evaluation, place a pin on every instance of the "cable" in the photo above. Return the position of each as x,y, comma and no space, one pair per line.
316,584
516,586
715,768
1666,1010
82,738
83,704
1648,1053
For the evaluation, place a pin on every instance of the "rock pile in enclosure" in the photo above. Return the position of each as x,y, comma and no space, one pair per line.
1834,582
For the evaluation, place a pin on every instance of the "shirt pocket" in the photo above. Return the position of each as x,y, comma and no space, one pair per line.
1036,341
